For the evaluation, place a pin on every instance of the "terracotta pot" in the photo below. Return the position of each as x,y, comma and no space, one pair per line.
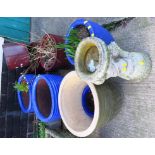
60,60
16,55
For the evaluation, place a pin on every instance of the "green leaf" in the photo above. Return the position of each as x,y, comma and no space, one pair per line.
73,42
23,87
71,55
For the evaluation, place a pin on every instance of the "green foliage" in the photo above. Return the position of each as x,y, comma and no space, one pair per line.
23,87
41,130
72,43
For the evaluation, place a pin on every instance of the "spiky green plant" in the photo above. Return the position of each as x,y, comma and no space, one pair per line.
23,87
72,43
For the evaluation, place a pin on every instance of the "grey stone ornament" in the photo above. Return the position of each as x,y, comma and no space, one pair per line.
95,62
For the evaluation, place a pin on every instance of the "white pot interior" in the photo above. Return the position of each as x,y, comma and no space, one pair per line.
70,105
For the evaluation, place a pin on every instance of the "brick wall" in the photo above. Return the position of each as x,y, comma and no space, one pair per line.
13,122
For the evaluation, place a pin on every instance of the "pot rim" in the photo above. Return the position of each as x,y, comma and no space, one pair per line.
76,23
24,109
53,93
104,58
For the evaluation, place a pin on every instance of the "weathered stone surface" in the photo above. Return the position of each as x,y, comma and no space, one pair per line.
136,118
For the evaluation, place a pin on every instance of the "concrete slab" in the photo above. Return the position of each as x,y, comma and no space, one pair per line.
60,25
136,118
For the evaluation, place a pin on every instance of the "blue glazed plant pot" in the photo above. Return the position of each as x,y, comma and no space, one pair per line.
94,29
45,97
25,99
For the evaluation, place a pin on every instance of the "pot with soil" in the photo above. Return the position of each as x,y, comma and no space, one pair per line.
16,55
52,58
34,55
85,107
86,29
45,97
24,92
95,62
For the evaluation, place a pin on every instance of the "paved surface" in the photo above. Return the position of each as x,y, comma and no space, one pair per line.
60,25
13,122
137,115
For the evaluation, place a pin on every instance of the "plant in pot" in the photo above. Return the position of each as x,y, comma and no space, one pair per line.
34,58
38,56
72,41
52,58
87,28
18,55
44,56
23,87
24,91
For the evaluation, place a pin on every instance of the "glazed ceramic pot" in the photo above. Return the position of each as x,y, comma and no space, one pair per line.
16,55
25,98
93,30
45,97
57,58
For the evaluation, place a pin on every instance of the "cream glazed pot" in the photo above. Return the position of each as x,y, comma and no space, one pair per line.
95,62
106,105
